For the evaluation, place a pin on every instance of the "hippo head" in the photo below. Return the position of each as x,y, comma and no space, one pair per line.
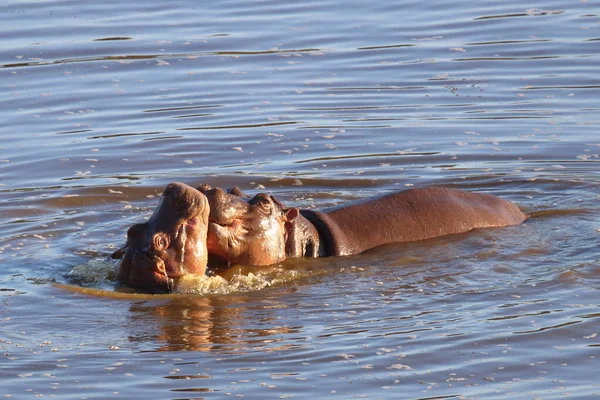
171,244
244,230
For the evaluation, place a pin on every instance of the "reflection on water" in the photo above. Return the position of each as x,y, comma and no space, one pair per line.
229,324
317,104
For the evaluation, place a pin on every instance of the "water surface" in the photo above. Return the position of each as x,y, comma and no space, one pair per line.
104,104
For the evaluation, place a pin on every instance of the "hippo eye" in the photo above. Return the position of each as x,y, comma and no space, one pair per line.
262,201
265,204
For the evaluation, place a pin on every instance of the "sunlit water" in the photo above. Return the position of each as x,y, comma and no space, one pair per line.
105,103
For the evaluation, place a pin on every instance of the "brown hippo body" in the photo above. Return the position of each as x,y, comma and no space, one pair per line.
408,216
236,228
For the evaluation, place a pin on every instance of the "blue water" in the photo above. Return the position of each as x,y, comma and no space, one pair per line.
104,104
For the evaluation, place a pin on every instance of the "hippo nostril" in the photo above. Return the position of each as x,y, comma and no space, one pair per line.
161,268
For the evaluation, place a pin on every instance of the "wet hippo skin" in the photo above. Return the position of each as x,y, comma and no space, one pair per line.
261,231
172,243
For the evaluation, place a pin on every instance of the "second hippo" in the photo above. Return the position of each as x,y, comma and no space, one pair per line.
260,230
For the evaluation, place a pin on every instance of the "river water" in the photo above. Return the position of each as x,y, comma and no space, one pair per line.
318,102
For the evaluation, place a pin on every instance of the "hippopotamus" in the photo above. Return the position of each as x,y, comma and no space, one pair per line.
190,225
172,243
260,230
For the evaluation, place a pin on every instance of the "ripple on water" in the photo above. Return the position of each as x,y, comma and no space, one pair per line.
318,104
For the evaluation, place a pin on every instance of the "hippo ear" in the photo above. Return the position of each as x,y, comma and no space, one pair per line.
203,187
291,214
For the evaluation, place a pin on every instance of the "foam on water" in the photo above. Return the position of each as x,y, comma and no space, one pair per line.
194,284
99,271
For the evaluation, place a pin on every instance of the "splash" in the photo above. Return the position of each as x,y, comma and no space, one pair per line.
194,284
95,271
100,272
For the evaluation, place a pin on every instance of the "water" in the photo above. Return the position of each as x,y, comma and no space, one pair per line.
105,103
